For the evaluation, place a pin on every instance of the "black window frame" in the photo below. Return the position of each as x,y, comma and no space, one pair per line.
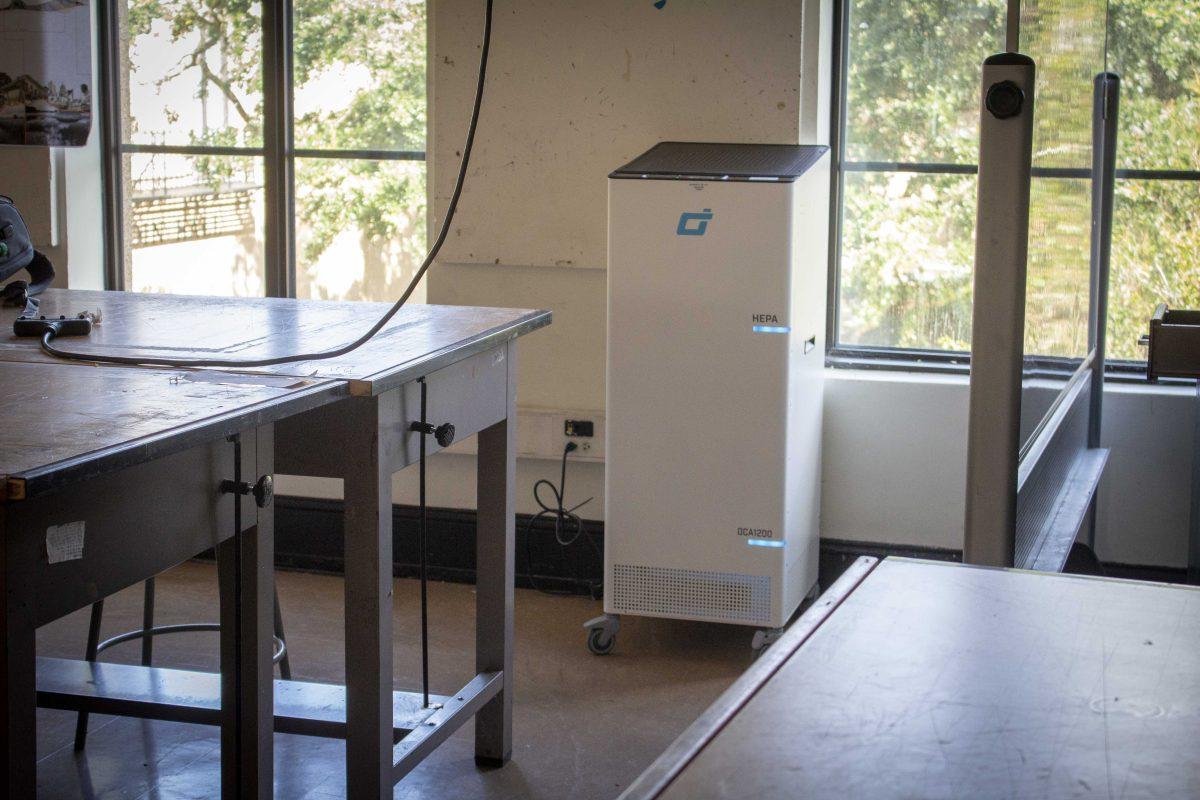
278,151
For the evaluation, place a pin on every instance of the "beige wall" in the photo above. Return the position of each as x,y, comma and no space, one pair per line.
30,176
575,90
60,194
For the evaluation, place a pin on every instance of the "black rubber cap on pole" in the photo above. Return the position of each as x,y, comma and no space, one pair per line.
1004,99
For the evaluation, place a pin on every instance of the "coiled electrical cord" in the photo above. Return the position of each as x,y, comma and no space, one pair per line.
443,232
568,526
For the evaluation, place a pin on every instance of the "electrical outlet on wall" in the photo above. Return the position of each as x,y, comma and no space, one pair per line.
544,433
579,428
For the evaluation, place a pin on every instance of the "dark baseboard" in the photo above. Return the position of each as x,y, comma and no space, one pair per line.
1146,572
308,536
838,554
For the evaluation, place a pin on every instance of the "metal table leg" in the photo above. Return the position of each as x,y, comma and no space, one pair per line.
91,651
147,622
18,740
245,572
494,548
1194,536
368,558
368,439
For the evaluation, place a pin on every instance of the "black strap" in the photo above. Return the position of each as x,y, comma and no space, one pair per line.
16,293
42,272
21,293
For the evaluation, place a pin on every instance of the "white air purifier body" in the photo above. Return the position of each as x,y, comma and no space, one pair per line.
717,263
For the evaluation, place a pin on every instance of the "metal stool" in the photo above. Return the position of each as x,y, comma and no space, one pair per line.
147,633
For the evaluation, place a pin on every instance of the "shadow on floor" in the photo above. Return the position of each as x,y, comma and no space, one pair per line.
584,726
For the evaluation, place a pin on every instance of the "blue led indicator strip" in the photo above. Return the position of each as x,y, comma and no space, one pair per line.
764,543
771,329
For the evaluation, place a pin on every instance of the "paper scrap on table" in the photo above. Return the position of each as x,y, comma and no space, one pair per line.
64,542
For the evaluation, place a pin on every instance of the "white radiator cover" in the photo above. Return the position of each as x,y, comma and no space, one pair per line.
716,329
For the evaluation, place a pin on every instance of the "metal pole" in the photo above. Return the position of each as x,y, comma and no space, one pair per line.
424,557
1105,106
232,656
1193,568
998,329
1012,29
1105,102
90,654
148,623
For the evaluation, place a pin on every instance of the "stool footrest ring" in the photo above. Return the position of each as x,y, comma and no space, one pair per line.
189,627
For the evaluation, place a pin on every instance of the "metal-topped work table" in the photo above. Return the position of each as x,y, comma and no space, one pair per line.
934,680
139,454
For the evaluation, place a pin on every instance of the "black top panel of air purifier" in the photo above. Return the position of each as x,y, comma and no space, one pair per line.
713,161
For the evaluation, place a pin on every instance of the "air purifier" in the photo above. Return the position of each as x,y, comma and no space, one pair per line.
717,264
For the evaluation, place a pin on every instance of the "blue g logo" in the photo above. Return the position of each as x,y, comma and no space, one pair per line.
692,224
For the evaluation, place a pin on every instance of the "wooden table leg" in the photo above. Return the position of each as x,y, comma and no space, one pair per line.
247,624
18,748
494,548
373,426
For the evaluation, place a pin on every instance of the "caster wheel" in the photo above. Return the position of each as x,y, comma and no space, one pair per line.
764,639
600,642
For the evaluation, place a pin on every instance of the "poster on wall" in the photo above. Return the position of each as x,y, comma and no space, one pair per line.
45,72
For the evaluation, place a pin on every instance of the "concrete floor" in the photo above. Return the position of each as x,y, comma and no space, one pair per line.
585,726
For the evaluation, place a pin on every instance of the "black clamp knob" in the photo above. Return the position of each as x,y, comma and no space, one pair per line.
263,490
1004,99
443,434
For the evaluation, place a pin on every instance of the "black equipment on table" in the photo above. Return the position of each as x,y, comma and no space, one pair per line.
17,253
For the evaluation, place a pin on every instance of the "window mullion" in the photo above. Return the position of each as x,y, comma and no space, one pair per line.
841,61
289,154
110,145
277,138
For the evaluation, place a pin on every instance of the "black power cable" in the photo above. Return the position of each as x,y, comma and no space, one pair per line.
443,231
568,526
424,554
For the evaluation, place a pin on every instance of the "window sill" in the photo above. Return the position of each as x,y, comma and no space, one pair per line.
918,361
952,363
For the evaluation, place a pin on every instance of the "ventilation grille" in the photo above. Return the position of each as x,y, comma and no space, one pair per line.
724,596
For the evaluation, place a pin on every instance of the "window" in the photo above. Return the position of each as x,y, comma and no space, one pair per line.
907,142
249,169
1155,47
907,150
